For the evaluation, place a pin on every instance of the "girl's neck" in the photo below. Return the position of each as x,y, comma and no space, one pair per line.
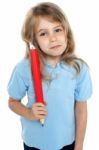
52,61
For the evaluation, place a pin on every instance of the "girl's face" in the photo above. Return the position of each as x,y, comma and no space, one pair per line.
51,38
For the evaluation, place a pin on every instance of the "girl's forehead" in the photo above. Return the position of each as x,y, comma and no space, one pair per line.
46,22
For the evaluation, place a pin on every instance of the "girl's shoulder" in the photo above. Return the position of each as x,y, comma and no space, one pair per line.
22,67
81,65
84,72
23,63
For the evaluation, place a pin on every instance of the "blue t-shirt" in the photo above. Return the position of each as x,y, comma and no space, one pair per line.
60,95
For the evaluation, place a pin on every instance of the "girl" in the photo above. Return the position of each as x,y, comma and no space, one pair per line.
65,79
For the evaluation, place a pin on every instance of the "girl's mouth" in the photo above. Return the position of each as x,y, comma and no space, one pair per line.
56,46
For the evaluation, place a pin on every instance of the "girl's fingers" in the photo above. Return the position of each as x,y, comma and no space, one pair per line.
41,116
39,104
39,110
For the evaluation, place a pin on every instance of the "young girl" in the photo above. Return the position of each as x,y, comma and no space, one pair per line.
65,80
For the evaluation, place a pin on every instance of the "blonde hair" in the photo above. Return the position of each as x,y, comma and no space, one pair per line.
54,14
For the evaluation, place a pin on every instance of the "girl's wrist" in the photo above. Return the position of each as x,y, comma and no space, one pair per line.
30,115
77,147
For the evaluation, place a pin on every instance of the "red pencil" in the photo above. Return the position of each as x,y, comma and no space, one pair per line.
36,75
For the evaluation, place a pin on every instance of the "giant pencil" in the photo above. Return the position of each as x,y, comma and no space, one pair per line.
36,75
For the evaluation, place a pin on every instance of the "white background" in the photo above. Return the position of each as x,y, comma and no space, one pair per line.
84,20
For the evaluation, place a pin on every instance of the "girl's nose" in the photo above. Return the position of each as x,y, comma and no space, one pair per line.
52,37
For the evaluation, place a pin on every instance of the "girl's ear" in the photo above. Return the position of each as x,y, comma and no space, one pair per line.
35,43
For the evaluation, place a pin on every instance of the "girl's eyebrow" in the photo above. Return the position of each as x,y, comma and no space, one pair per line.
58,26
47,28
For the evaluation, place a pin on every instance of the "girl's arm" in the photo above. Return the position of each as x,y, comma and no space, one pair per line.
37,112
81,121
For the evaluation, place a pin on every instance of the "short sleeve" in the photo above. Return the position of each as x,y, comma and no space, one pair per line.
16,86
83,90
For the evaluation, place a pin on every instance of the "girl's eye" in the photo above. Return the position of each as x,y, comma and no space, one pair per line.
58,30
43,34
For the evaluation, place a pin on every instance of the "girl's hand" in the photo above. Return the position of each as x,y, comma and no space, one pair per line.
38,111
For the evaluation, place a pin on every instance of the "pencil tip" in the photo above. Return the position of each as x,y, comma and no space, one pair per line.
42,122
